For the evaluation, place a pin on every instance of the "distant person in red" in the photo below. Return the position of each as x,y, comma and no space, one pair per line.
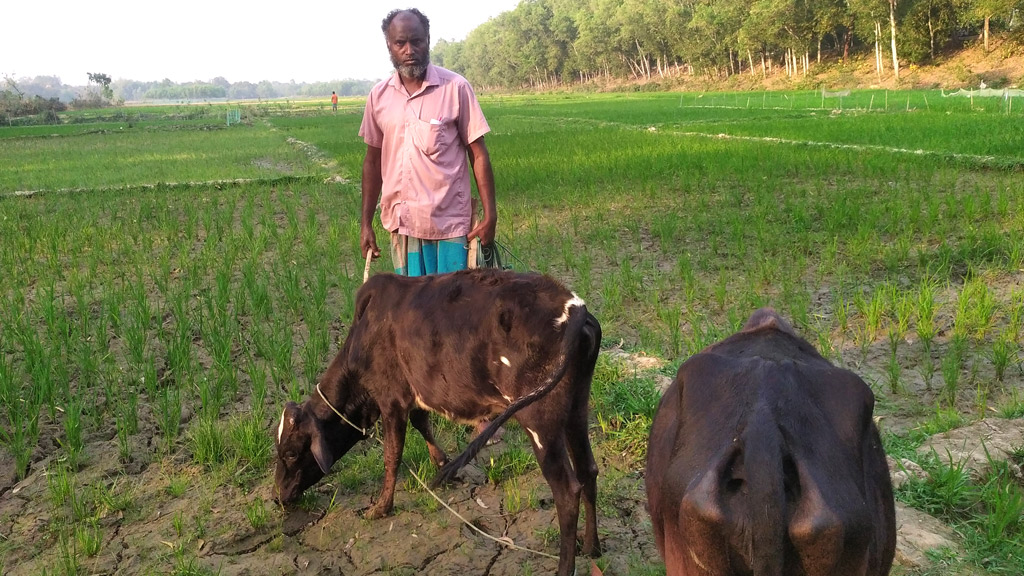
424,133
334,100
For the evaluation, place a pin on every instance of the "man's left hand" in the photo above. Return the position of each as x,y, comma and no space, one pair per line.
485,231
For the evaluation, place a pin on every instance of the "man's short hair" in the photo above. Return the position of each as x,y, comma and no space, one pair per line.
386,23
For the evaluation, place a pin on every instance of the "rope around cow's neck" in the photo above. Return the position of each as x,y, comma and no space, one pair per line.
363,431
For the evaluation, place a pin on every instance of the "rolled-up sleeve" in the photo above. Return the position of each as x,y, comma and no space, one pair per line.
472,124
369,129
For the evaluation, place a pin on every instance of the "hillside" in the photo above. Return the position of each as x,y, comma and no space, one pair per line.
1001,66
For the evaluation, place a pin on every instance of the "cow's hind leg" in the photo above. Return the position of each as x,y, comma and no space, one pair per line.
578,436
421,421
582,456
394,426
553,457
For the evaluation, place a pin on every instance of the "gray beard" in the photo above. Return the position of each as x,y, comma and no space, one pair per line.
417,72
413,72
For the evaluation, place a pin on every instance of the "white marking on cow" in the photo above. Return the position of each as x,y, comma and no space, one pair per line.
536,439
507,398
697,561
505,361
574,301
280,427
421,403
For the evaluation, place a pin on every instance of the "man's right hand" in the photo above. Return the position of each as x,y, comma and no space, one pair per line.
368,242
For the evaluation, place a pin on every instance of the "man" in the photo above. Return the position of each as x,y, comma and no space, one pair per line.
334,101
424,132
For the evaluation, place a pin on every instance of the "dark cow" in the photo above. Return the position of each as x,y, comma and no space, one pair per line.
473,346
764,460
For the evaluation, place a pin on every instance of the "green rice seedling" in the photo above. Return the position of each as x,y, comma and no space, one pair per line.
942,420
211,397
250,443
60,486
88,537
842,313
547,536
945,493
150,379
1004,350
39,366
925,326
513,500
286,276
177,484
127,423
514,461
72,441
178,522
721,289
21,439
952,365
1015,316
316,300
67,555
893,372
186,564
257,291
135,336
256,513
208,443
258,379
671,316
826,346
169,414
982,308
872,311
281,347
962,319
1003,498
314,352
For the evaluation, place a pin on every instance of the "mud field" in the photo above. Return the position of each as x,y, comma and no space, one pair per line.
163,514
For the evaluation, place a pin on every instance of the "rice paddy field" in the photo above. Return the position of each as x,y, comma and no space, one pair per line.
169,281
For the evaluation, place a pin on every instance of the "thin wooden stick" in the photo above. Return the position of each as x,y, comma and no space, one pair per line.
366,269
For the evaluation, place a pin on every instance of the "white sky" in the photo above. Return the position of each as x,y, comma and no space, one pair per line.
188,40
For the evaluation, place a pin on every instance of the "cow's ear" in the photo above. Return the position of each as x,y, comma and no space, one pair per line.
322,453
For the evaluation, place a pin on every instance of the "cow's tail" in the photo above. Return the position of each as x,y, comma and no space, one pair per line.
571,340
763,463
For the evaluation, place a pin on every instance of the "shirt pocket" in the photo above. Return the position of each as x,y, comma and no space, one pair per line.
430,137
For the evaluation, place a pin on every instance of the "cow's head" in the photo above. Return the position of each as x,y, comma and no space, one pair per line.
304,454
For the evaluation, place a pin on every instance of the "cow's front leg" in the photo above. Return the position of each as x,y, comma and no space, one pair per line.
394,442
421,421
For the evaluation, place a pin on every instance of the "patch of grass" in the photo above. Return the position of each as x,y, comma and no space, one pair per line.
513,462
942,420
177,484
256,513
208,442
249,444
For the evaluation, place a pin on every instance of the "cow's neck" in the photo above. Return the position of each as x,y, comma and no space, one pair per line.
329,405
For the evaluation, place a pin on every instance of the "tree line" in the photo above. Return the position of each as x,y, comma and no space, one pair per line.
104,91
545,42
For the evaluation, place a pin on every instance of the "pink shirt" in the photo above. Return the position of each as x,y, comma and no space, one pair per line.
423,139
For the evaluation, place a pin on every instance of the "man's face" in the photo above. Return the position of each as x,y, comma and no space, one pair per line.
409,46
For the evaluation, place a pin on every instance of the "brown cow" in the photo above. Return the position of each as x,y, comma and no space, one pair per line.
763,460
473,345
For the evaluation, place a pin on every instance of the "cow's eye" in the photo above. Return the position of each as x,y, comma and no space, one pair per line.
290,455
